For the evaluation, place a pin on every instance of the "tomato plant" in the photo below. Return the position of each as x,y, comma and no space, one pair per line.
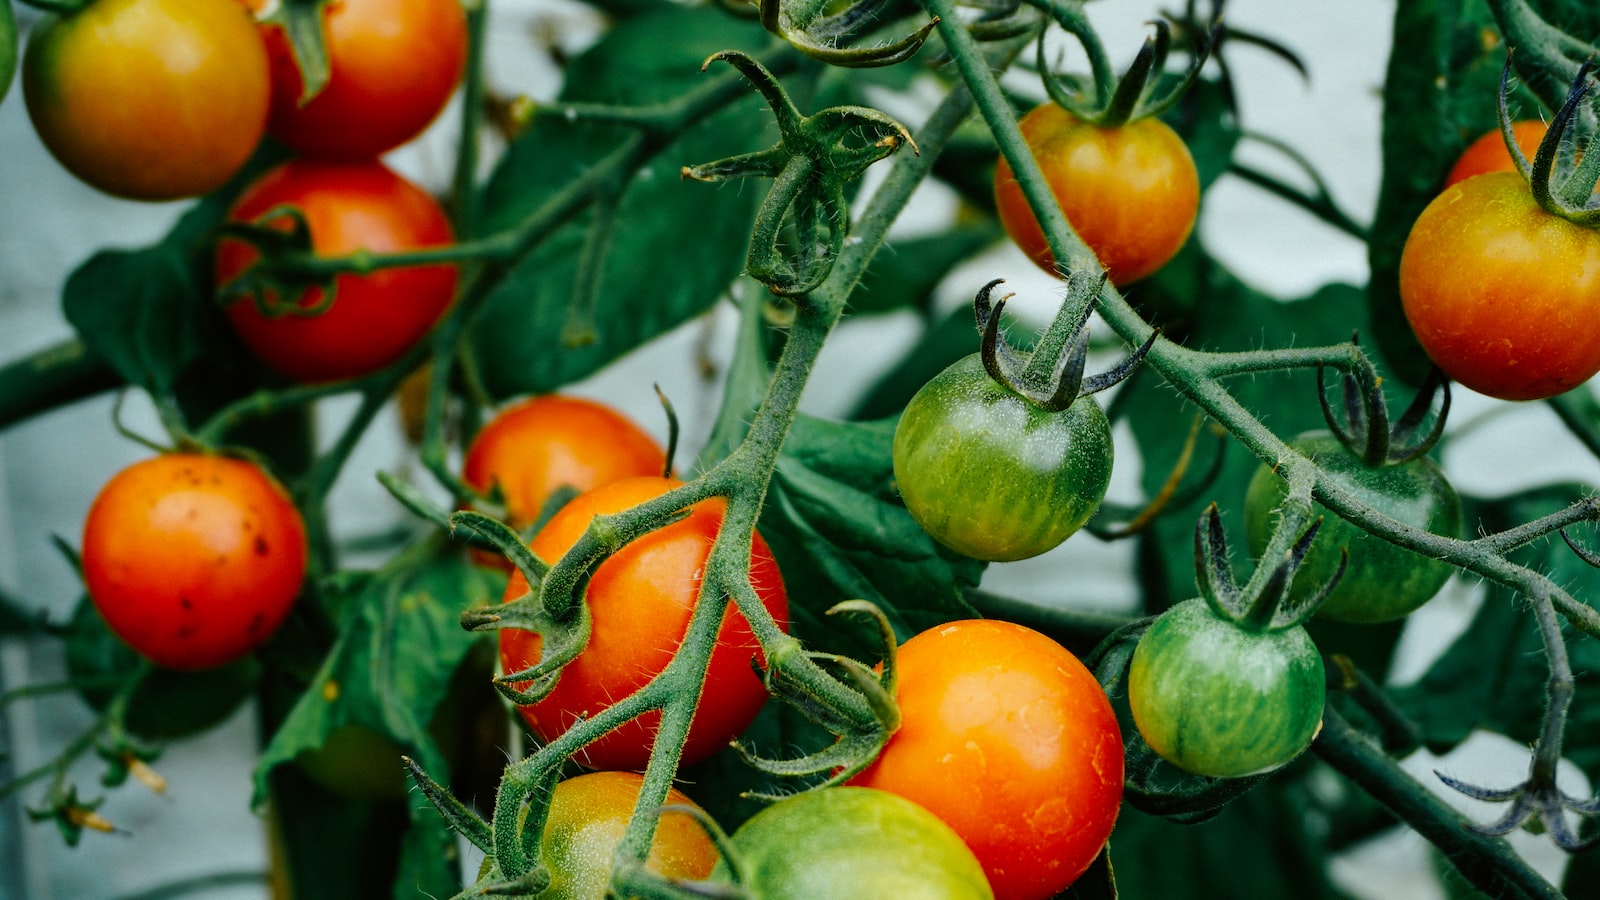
640,599
588,814
1010,740
539,445
1131,192
392,66
1381,581
991,474
148,99
372,319
853,843
193,559
1489,154
1503,296
1217,699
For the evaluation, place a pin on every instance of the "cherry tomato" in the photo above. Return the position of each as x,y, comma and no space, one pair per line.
393,65
1382,581
851,843
589,813
535,447
149,99
193,559
1488,153
1132,192
373,319
640,599
1503,296
8,48
1215,699
992,475
1011,741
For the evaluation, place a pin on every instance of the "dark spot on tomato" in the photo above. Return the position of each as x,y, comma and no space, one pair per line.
186,603
261,546
256,622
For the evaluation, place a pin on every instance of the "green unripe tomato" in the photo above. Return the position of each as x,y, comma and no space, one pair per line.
853,843
8,46
990,474
1381,581
1216,699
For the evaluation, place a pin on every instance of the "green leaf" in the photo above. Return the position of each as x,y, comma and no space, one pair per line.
1493,676
942,343
1232,317
399,648
141,311
840,533
905,272
675,246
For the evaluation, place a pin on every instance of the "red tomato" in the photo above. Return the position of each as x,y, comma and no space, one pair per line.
148,99
374,319
393,65
534,447
1010,740
1488,153
1503,296
1132,192
640,600
192,559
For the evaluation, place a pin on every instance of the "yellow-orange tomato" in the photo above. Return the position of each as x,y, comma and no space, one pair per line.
588,815
1502,295
149,99
1011,741
193,559
640,600
1489,154
1131,192
535,447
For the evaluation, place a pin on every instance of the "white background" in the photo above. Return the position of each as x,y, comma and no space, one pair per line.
51,467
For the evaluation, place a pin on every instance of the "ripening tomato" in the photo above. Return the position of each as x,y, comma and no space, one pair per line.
193,559
852,843
535,447
640,599
1502,295
1011,741
393,65
1489,154
1131,192
149,99
373,319
588,815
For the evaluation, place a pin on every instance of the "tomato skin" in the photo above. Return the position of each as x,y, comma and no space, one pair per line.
1006,737
393,65
374,319
1215,699
640,600
1382,581
1489,154
1503,296
588,815
991,475
852,843
1132,193
541,444
149,99
193,559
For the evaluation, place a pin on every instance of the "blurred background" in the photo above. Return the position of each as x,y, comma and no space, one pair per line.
203,826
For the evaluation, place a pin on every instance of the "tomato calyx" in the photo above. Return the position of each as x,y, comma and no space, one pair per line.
815,157
1066,383
274,282
820,31
1264,603
859,707
302,23
1568,199
1361,423
1117,101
